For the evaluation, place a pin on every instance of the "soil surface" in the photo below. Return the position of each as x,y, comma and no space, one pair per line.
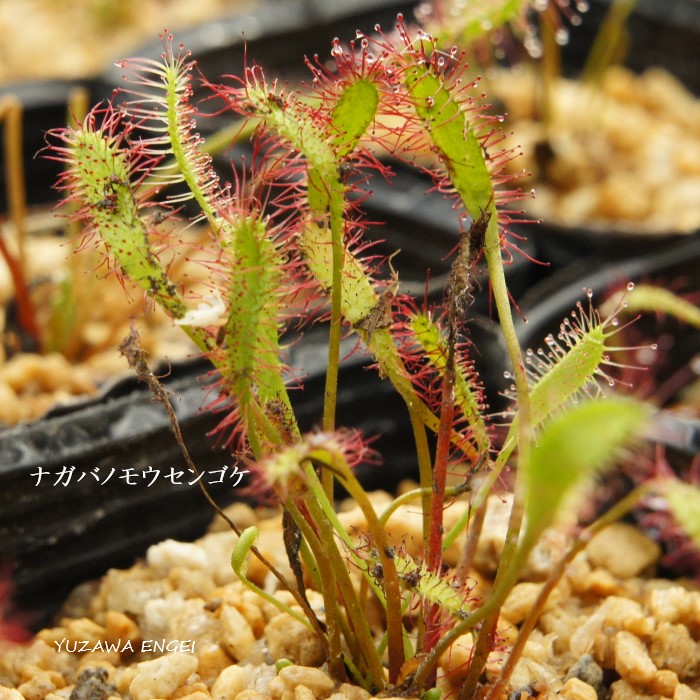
622,154
84,312
178,625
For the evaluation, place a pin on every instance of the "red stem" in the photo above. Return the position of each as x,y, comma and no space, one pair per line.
442,453
25,309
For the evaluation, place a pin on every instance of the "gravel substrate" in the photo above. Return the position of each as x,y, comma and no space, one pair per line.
179,626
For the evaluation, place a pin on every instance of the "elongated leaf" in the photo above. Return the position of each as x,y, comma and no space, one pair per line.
353,113
573,447
453,136
239,564
645,297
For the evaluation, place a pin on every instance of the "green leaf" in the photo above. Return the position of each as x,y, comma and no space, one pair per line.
684,501
573,447
239,564
101,169
239,556
466,391
250,361
353,113
437,103
645,297
435,589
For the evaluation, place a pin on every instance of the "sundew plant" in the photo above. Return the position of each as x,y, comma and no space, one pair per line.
289,245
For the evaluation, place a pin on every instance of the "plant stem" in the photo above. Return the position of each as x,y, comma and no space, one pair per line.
476,523
550,70
615,513
330,397
356,615
425,469
444,441
392,589
11,112
442,453
610,40
329,591
506,574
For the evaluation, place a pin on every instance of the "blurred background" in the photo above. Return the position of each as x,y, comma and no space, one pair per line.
79,38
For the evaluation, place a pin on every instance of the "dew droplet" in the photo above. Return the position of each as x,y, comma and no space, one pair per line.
654,346
561,37
611,382
533,47
630,286
507,375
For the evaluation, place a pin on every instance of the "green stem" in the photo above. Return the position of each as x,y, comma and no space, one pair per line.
549,72
475,518
392,588
425,469
335,331
609,43
619,510
328,590
507,573
318,493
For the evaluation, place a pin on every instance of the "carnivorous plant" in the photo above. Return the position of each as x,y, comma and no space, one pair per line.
289,245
